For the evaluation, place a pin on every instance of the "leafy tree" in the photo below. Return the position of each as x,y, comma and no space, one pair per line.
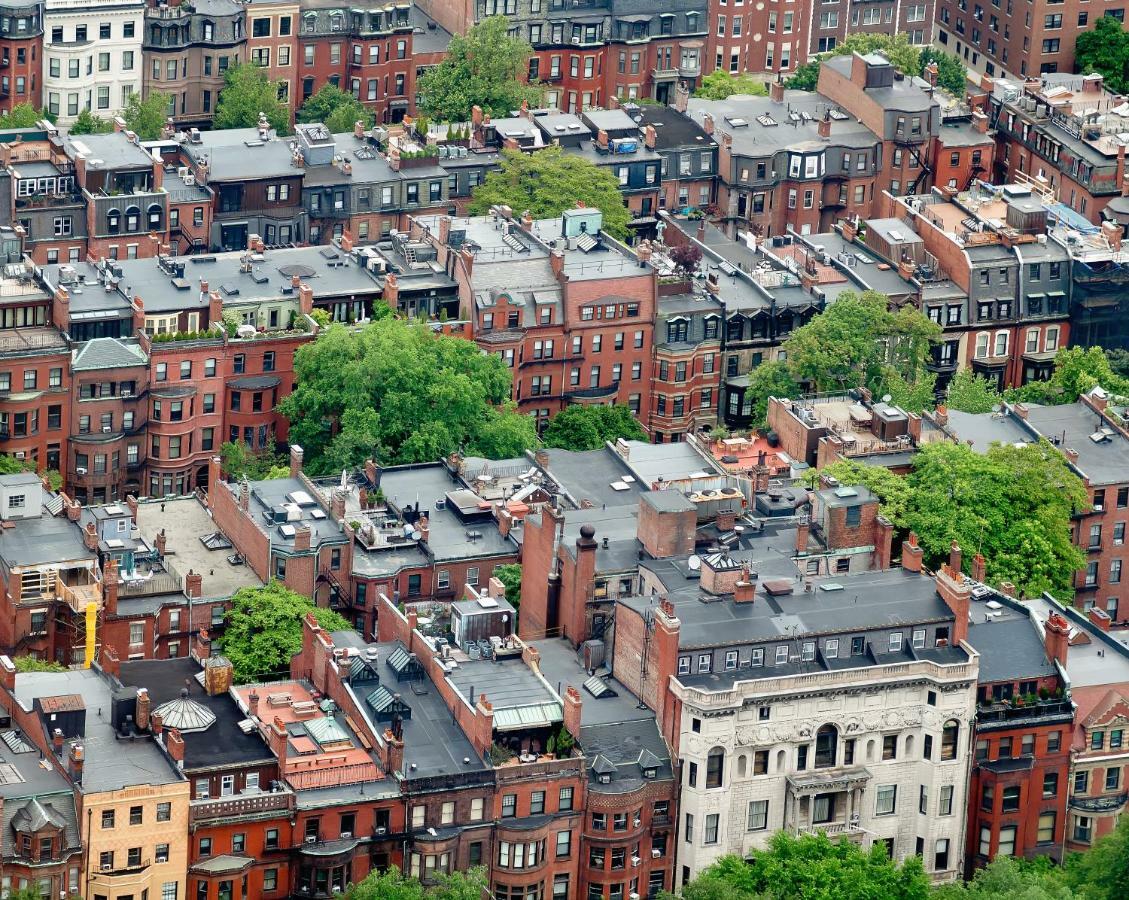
237,460
686,257
1118,362
550,181
391,884
972,393
35,664
247,92
719,85
892,490
510,576
952,76
1103,872
857,342
88,123
30,892
589,427
1006,878
1077,371
9,465
769,379
805,77
1104,48
486,67
264,629
145,116
23,115
1013,504
335,109
398,390
912,396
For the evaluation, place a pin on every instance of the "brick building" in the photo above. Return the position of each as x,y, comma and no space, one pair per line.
21,44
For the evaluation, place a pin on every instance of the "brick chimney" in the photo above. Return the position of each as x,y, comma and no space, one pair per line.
650,137
394,753
954,556
911,554
58,741
74,510
156,724
1056,638
194,584
824,127
131,505
484,718
141,715
253,703
245,495
296,455
110,586
707,123
941,415
602,139
76,760
556,262
302,537
161,542
1100,618
90,536
337,504
957,596
305,299
979,122
979,567
776,91
7,673
572,707
744,591
681,97
111,665
218,675
803,531
391,292
174,743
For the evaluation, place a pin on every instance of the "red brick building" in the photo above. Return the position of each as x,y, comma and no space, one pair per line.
21,55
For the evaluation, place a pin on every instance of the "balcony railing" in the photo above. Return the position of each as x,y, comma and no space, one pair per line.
1001,713
241,805
1099,804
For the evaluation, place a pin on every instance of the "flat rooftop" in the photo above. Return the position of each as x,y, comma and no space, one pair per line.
1104,461
186,522
520,698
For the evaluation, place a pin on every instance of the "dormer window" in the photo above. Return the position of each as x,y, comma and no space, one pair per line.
604,779
650,773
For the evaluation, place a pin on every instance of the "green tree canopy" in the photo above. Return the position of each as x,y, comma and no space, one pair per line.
1104,48
805,77
35,664
247,92
145,116
237,460
904,56
1077,371
335,109
550,181
486,68
892,490
858,342
912,396
719,85
1006,878
391,884
952,76
1103,872
264,629
589,427
1013,504
972,393
510,576
22,115
397,390
769,379
88,123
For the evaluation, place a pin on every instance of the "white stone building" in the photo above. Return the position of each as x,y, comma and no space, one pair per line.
91,56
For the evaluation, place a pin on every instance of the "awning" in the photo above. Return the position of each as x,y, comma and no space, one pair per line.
533,715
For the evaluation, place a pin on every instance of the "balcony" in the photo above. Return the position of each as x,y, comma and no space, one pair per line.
851,830
1004,714
1099,804
46,201
241,805
113,871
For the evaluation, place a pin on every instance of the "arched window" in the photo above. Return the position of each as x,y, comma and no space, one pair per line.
826,746
715,764
155,215
741,764
114,221
781,760
870,747
132,219
909,746
950,737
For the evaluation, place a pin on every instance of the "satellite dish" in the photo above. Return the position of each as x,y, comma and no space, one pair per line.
694,562
886,398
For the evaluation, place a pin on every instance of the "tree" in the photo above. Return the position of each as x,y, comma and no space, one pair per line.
26,893
550,181
589,427
1104,48
769,379
264,629
1013,504
88,123
246,93
857,342
510,576
1103,872
335,109
892,490
239,461
22,115
720,85
811,867
1007,878
35,664
805,77
486,68
903,55
972,393
686,257
146,116
399,391
1118,362
391,884
1077,371
9,465
912,396
952,76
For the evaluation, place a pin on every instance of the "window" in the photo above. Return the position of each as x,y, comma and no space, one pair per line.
1112,779
509,806
565,803
715,764
107,818
164,812
887,800
757,819
946,802
1083,829
711,828
1081,782
890,747
1010,799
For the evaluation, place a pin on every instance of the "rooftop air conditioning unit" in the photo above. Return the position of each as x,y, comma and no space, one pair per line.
81,470
126,392
106,429
380,829
20,454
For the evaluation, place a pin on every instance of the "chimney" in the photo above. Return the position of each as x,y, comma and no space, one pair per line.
602,139
572,707
131,505
110,586
941,415
218,675
156,724
305,299
337,504
726,520
931,73
1071,455
681,97
650,137
58,741
1007,588
301,537
803,531
979,122
824,127
161,542
424,524
391,292
776,91
74,510
296,455
141,715
77,759
746,588
1056,638
1100,618
394,760
253,702
7,673
556,262
911,554
244,495
979,567
954,556
359,129
957,596
90,536
707,123
174,743
194,585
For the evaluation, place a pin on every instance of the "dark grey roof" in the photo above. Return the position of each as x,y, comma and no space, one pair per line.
985,429
1104,462
1010,650
46,539
107,353
56,807
108,151
590,474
